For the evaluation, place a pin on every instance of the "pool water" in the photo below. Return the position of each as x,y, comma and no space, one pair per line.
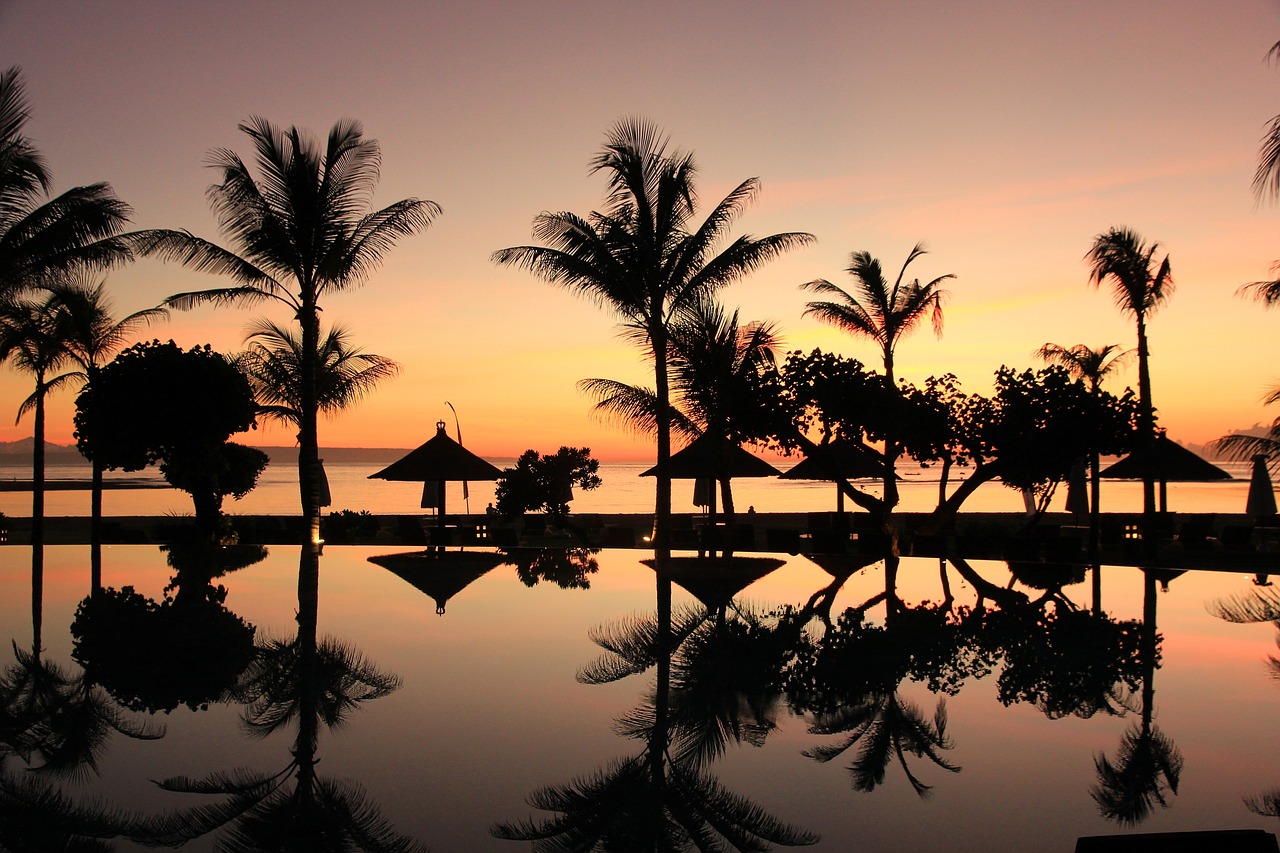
958,706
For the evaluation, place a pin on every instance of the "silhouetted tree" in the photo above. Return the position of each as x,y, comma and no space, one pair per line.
884,313
41,238
273,363
91,335
1140,285
714,363
645,259
158,403
302,230
545,483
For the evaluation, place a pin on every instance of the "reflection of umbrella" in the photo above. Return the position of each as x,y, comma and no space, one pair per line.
1167,461
440,576
1262,499
838,461
716,580
439,460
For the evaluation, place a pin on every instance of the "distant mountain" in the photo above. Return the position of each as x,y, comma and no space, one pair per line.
18,453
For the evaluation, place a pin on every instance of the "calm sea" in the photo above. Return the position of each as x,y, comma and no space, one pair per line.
623,491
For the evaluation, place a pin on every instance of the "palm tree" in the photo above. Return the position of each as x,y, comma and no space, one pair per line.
644,258
40,237
1141,284
301,232
1243,447
90,336
712,361
31,340
1092,365
273,363
885,313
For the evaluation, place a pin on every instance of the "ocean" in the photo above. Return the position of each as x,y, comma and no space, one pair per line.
623,491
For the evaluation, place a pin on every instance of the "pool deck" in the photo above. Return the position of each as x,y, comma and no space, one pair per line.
1228,542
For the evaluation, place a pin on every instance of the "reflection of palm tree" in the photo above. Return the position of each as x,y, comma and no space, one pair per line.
308,682
660,800
273,364
57,723
884,313
302,233
887,727
1140,286
1148,765
645,259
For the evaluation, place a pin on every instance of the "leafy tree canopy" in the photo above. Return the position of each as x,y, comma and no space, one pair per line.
546,483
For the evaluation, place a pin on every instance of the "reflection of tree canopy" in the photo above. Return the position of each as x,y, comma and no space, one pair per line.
850,677
567,568
307,682
154,656
187,649
1064,661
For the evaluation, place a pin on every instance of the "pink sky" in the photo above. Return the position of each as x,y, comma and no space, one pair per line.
1004,134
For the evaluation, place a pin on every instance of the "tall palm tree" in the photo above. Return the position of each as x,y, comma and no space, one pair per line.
302,231
31,340
645,258
1140,285
91,335
885,313
273,363
41,237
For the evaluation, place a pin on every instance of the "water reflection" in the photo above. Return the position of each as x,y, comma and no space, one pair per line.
187,649
1148,765
307,683
664,797
728,667
707,689
55,724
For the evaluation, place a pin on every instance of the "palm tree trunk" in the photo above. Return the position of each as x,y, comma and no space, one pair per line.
662,500
1146,423
37,467
308,437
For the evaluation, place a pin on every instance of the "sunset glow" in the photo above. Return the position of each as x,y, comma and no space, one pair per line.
1004,136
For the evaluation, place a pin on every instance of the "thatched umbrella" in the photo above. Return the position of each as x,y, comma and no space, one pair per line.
712,458
433,464
1167,461
838,461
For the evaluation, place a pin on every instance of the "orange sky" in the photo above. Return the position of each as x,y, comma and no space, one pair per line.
1004,134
